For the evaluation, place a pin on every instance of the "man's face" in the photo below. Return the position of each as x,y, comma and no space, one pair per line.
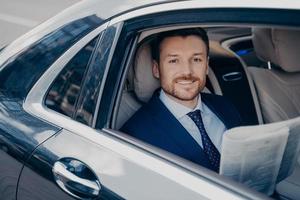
182,68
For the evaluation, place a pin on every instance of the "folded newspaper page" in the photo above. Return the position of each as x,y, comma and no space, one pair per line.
261,156
291,153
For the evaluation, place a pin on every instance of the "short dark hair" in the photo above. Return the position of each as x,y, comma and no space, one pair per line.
155,44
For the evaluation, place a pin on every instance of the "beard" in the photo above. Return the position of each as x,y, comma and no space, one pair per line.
184,92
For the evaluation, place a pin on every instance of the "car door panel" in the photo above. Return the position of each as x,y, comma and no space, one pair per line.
8,181
123,171
20,134
37,180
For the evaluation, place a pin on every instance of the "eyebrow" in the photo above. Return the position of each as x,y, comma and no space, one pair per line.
172,55
198,54
176,55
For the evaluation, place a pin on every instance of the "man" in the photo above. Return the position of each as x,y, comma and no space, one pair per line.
179,118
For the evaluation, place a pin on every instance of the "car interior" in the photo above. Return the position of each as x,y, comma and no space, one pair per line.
257,68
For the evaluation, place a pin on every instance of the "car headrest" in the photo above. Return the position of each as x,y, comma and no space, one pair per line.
144,82
279,46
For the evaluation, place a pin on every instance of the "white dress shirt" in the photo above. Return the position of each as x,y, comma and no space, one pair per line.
213,125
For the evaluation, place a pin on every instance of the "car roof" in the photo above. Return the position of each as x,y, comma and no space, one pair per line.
108,9
102,9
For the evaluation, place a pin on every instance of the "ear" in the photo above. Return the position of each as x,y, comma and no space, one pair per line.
155,70
207,66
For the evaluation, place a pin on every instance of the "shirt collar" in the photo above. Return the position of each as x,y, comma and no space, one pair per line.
177,109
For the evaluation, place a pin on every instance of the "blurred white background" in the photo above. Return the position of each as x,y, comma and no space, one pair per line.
19,16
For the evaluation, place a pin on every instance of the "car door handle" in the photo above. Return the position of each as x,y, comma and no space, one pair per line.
232,76
75,178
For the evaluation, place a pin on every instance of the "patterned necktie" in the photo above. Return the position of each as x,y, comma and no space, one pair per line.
208,147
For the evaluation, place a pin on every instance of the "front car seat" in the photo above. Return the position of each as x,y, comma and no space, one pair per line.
278,86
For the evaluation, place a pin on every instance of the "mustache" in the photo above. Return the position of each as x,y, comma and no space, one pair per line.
186,78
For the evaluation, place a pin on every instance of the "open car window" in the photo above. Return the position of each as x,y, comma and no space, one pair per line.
232,56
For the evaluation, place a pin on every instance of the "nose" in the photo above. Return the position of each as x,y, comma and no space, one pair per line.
186,68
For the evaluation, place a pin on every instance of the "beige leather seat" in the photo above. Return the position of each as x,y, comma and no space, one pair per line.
140,85
278,87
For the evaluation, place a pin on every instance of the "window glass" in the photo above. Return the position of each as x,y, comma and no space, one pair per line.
92,85
65,90
20,72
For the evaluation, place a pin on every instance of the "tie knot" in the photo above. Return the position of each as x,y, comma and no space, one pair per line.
194,115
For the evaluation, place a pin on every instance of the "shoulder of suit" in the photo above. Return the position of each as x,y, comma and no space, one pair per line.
148,108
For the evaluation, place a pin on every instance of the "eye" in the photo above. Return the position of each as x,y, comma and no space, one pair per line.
173,61
197,59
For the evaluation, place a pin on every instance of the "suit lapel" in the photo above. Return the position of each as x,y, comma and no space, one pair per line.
176,132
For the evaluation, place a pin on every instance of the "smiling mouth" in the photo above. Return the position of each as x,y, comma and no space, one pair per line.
185,82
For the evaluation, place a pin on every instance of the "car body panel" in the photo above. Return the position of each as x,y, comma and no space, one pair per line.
20,134
3,47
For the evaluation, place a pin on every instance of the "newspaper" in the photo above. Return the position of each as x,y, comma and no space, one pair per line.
292,150
261,156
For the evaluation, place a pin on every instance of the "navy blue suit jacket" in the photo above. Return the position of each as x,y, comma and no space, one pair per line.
155,124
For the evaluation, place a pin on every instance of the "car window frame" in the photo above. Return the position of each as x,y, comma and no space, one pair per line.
34,101
94,73
134,25
191,17
86,67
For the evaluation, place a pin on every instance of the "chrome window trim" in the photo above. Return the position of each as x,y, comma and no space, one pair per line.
128,65
226,44
185,5
116,38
